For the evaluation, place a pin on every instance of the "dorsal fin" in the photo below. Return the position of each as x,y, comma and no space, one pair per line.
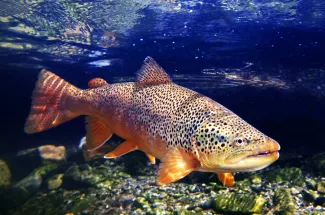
152,73
97,82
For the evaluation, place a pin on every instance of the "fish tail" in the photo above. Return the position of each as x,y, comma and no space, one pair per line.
53,103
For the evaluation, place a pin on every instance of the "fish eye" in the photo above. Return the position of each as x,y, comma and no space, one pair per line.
241,142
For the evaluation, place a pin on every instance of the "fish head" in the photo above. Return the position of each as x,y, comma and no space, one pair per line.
230,144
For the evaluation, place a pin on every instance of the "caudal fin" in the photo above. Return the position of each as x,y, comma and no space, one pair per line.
52,103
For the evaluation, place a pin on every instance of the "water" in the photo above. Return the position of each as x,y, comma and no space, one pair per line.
262,59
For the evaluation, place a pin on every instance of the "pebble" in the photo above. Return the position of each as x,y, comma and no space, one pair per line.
294,191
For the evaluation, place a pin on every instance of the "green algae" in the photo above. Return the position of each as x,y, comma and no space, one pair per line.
287,174
5,174
46,169
54,182
284,202
238,203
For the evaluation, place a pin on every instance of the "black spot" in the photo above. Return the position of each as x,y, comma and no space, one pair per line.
206,130
239,141
222,145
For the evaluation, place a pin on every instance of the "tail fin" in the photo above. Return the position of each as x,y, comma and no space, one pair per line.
51,103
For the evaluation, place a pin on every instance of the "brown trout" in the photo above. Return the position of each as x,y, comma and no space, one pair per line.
184,129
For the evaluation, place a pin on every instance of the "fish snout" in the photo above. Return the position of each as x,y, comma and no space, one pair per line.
272,145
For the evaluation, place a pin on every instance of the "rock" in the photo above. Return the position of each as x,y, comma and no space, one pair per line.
287,174
30,184
311,183
320,200
256,179
46,170
50,153
321,187
294,191
5,174
54,182
238,203
22,190
140,202
309,195
284,202
72,178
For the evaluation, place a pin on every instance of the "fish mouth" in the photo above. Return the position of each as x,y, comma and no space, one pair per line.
247,161
265,153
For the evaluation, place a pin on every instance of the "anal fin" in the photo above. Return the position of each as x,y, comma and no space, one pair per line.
152,159
175,165
97,133
123,148
226,178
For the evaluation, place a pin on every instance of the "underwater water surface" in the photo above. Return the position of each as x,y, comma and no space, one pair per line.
262,59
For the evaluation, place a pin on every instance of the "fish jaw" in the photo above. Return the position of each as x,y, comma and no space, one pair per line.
243,161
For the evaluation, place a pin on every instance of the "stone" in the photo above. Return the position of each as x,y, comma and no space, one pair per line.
309,195
287,174
54,182
320,200
284,202
52,153
256,179
5,174
294,191
321,187
140,202
311,183
46,170
238,203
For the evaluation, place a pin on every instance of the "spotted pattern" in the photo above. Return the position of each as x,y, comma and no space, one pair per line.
97,82
155,109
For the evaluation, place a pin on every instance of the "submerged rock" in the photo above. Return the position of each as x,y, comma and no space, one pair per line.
50,153
287,174
311,183
321,187
284,202
5,174
54,182
238,203
29,185
309,195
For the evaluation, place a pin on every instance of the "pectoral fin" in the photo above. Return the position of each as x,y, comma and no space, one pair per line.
226,178
123,148
175,165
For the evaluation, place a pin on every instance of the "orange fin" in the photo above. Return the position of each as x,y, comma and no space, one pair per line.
51,103
97,82
152,159
226,178
152,73
123,148
97,133
175,165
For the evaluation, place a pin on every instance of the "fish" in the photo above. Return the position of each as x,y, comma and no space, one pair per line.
184,129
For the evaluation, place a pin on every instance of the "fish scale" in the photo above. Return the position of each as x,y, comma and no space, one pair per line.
184,129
